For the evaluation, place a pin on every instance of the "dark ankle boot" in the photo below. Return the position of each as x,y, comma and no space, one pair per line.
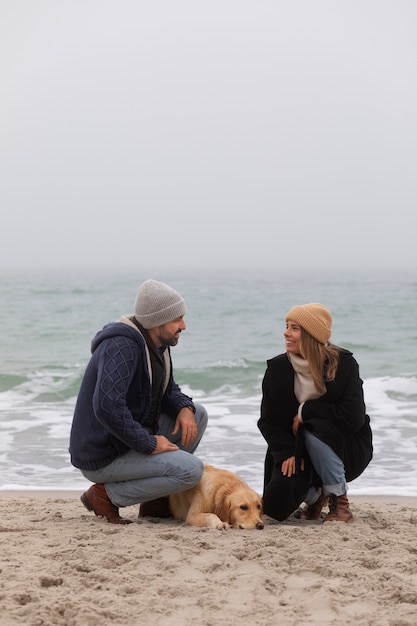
339,510
155,508
313,511
97,500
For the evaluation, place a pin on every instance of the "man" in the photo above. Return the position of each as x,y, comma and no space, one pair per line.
134,432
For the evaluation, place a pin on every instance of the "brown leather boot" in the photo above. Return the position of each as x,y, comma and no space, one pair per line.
313,511
339,510
155,508
97,500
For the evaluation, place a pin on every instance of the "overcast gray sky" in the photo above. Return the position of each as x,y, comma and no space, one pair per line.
228,133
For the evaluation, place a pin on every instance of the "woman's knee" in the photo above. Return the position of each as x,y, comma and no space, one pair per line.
312,442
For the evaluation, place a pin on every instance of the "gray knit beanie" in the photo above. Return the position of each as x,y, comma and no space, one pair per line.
157,304
315,318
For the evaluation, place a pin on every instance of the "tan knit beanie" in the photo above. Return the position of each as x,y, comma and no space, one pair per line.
157,303
315,318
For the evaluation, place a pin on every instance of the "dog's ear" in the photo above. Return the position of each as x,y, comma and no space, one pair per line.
223,509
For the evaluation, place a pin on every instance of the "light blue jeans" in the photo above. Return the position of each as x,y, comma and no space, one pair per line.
136,477
328,466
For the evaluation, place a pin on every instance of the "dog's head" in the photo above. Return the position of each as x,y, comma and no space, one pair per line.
243,509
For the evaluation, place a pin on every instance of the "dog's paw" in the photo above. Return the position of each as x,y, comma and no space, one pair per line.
207,520
223,525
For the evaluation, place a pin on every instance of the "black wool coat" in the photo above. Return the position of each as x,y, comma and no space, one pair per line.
338,418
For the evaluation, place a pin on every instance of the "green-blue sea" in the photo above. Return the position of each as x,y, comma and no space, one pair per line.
235,321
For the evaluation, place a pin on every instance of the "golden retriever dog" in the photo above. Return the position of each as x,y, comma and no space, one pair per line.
220,500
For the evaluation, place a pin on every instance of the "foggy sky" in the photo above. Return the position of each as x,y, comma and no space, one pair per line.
232,133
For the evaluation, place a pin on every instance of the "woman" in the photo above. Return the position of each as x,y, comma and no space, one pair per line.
314,421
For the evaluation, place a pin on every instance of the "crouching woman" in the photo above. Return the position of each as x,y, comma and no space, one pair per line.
314,421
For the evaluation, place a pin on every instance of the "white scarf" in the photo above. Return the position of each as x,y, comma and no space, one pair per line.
304,387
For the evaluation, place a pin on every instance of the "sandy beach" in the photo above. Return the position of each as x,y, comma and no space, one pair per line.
61,565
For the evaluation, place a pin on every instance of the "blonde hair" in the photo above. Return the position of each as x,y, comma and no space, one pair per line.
323,359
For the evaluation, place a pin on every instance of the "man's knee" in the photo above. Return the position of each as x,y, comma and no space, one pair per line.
194,471
201,417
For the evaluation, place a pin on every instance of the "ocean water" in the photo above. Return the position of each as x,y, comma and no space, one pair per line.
235,321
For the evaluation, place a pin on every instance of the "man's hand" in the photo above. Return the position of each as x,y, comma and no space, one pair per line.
186,422
164,445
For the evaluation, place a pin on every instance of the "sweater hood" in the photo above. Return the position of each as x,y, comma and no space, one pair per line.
122,328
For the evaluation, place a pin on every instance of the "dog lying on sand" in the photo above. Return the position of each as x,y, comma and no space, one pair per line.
220,500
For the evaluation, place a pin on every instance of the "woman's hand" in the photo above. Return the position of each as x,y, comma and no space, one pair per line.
288,466
295,424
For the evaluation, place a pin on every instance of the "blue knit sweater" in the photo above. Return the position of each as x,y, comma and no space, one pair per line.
115,398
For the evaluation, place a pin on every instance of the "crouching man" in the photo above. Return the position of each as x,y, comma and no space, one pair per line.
134,432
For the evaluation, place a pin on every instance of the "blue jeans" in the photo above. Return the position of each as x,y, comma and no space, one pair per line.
328,466
136,477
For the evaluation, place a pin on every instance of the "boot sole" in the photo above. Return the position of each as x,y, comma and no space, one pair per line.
86,503
111,520
346,521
